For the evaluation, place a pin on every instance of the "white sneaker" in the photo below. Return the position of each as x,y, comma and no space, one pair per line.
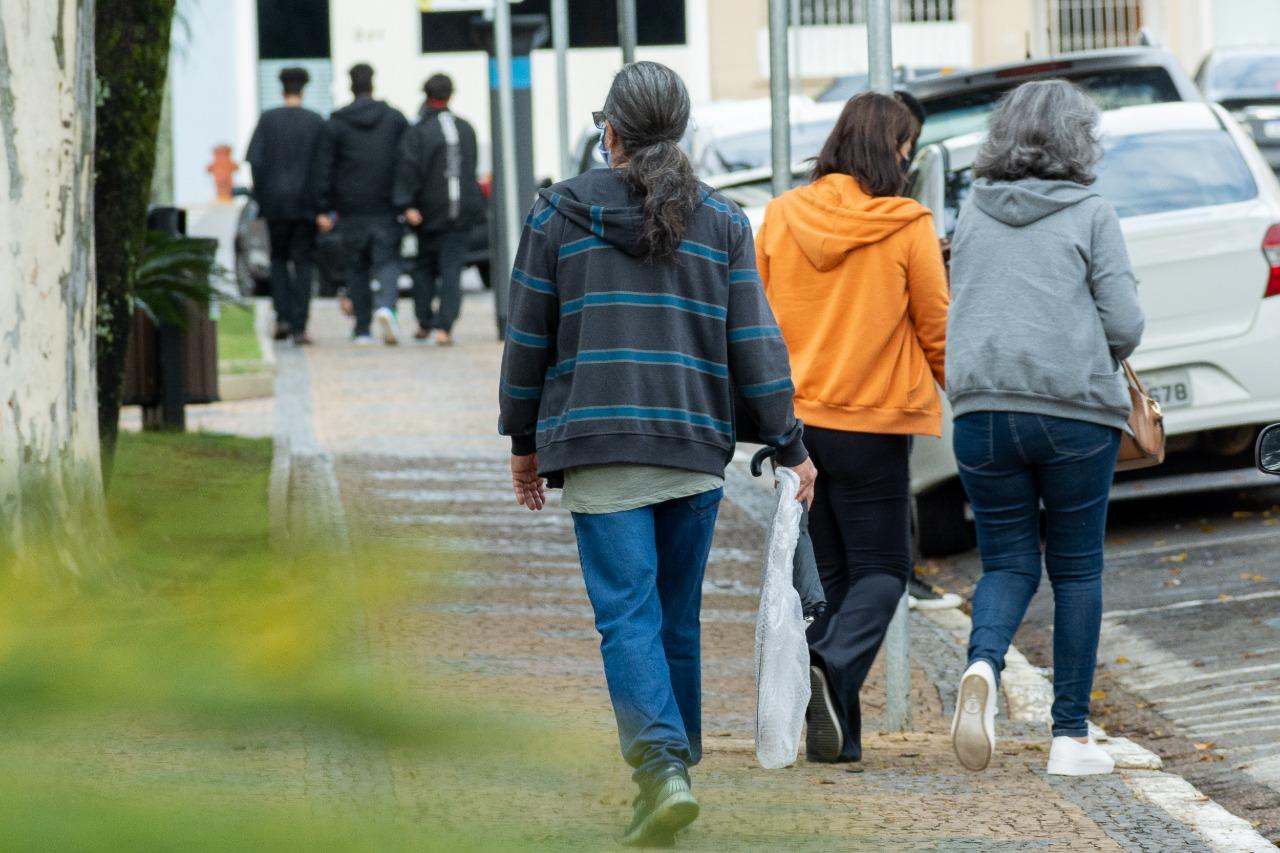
362,340
973,729
388,327
1070,757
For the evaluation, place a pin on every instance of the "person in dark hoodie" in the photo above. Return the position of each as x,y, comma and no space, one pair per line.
355,167
280,153
436,188
855,277
1044,307
635,311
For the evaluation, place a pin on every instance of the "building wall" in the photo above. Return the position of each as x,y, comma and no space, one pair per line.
213,75
1000,29
386,34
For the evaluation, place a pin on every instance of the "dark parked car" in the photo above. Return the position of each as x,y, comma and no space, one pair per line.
1246,81
960,103
843,88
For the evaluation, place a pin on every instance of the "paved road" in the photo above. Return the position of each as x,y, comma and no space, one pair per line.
1188,663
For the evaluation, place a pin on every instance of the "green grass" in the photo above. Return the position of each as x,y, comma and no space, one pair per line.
237,340
194,690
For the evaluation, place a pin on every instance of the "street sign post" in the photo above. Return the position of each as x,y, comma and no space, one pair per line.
780,96
897,640
627,30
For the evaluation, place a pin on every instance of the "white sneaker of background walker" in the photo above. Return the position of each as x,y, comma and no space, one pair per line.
1070,757
388,326
973,729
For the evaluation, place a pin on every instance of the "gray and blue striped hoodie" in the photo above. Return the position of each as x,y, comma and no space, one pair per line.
611,359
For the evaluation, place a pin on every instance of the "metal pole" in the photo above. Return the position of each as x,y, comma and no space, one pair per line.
879,47
627,30
560,41
897,640
506,166
780,96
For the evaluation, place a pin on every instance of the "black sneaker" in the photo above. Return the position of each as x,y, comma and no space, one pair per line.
662,808
926,596
824,736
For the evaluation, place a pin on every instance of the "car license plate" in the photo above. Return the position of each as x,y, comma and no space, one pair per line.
1171,388
1271,129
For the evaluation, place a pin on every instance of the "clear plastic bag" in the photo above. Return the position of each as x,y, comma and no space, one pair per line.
782,653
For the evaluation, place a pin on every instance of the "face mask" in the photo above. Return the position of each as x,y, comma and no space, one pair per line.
604,150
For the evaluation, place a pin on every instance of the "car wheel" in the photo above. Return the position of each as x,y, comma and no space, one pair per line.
483,269
938,523
245,281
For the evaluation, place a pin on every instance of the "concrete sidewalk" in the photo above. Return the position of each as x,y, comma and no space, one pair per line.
398,445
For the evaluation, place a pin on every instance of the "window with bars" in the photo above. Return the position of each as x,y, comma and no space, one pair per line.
1092,24
819,13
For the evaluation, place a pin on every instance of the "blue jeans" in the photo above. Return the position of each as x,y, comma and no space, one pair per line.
1010,463
643,569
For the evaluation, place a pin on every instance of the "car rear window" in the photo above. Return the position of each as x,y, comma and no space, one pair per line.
1159,172
753,150
1247,74
1152,173
967,112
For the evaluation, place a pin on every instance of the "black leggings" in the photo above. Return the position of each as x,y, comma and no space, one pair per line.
861,529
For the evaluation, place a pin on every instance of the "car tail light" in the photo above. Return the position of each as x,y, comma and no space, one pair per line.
486,186
1271,248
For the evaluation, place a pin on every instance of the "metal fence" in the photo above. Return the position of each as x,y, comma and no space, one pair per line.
1090,24
819,13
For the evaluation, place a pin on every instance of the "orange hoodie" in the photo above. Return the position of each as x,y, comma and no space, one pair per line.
860,292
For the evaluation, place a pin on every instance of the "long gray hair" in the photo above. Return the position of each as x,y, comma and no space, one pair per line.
648,109
1044,129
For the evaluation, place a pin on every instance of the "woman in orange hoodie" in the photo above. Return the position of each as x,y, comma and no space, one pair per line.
855,277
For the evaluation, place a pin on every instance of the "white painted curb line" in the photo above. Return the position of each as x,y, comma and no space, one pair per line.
1029,696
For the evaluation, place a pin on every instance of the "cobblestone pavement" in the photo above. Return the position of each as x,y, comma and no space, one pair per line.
498,623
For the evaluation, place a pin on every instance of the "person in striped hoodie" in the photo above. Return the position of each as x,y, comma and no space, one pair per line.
636,318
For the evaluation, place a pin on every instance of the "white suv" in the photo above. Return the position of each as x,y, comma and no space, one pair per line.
1200,211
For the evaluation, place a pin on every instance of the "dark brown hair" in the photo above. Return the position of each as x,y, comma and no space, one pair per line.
866,141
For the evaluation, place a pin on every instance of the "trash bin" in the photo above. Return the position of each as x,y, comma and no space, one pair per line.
168,366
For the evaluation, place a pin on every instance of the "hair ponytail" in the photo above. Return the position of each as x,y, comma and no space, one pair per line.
648,109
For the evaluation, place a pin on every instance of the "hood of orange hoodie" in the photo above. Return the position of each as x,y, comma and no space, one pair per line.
832,216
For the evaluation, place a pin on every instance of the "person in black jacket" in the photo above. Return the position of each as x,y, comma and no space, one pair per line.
354,170
280,151
437,190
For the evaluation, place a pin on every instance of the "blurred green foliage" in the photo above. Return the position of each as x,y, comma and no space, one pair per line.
203,693
237,341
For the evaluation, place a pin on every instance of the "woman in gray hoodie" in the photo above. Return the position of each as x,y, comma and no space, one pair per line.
1044,306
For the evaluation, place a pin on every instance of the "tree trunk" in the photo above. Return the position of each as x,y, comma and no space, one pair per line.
133,62
50,486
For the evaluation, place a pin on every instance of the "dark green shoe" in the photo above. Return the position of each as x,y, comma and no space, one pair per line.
662,809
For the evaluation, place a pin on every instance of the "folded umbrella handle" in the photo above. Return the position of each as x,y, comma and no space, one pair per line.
757,461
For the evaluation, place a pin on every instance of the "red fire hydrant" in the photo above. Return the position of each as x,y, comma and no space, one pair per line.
223,169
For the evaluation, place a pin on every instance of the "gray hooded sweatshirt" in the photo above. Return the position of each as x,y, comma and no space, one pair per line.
1043,304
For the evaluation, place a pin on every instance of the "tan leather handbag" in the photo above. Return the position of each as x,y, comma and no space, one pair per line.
1143,445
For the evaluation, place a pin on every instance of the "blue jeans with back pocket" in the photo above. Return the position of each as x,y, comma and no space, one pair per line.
1010,464
643,570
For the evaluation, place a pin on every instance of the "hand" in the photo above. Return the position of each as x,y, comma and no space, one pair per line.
413,217
325,223
807,474
530,489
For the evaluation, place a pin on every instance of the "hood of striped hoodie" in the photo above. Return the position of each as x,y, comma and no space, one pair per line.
600,202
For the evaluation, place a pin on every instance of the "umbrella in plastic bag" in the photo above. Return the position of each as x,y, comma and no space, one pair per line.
782,652
804,574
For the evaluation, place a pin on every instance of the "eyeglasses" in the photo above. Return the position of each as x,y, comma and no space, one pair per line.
598,119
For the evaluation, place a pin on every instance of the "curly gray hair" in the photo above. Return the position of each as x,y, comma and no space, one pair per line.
1044,129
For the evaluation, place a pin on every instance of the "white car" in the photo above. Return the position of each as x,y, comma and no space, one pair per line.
1200,211
733,136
